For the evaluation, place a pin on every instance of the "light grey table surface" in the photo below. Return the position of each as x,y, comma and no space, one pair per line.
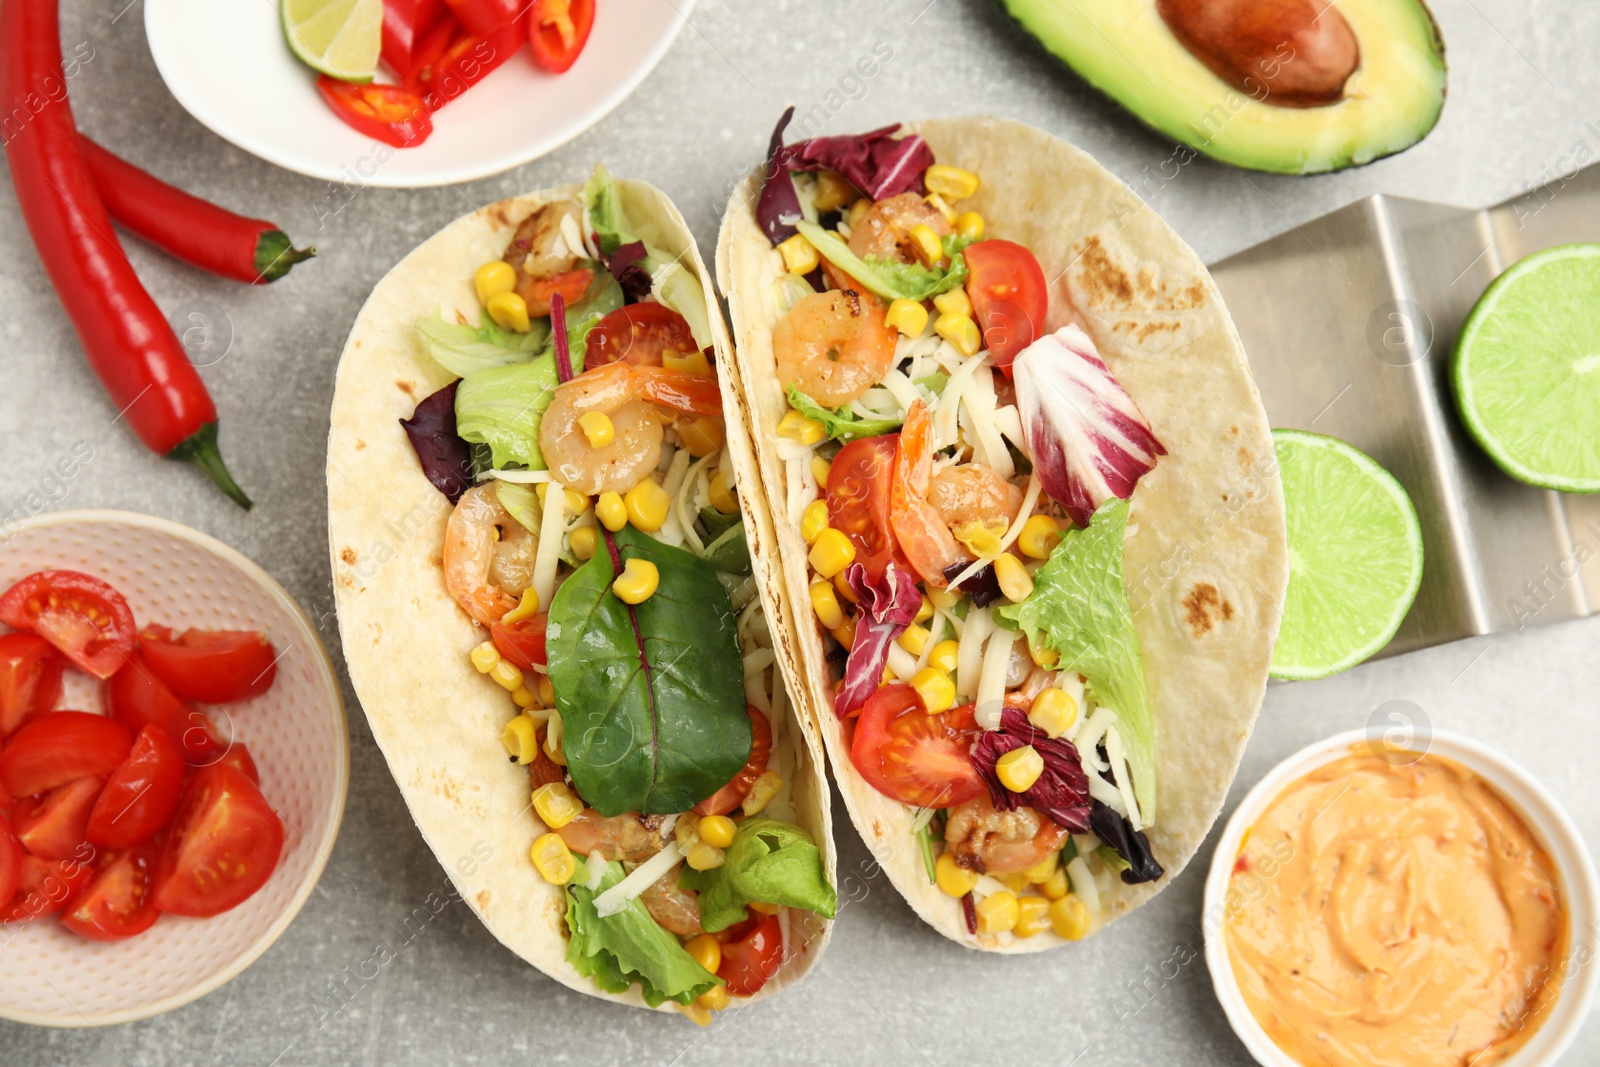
1524,105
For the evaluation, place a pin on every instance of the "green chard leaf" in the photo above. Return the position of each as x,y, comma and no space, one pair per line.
891,281
843,424
1079,607
769,862
652,699
618,950
716,523
729,552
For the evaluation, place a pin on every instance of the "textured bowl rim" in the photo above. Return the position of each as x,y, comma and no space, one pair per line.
1517,787
322,850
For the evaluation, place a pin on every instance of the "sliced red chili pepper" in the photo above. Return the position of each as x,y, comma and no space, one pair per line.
388,113
405,26
558,30
464,62
483,17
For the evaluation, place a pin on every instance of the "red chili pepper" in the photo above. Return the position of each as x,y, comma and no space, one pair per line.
483,17
405,25
463,63
128,341
558,30
253,251
388,113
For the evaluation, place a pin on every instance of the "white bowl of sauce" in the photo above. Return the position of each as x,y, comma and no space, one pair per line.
1405,904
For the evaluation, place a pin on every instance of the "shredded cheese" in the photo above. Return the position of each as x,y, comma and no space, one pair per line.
992,679
969,660
520,477
642,877
1029,499
671,531
978,404
902,663
1082,884
1119,771
551,528
594,870
755,682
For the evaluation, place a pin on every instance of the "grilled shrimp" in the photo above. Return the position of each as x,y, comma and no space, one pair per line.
539,252
488,556
834,346
674,908
972,492
996,842
885,229
632,837
918,527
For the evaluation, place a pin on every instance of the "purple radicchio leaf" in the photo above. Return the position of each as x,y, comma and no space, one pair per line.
624,267
446,459
778,209
1062,791
877,163
888,606
1086,437
1132,845
983,586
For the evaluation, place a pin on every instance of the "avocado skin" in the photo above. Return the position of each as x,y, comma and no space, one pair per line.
1018,11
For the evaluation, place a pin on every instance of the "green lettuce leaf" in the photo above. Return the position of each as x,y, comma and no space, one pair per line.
501,407
618,950
1079,607
602,297
462,349
654,727
843,424
769,862
892,281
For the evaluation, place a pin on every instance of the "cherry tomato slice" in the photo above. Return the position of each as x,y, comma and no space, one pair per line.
210,666
732,795
1010,297
224,843
238,757
138,698
911,756
750,960
30,679
639,334
859,484
387,113
140,795
60,747
117,903
52,826
10,862
45,886
81,615
559,29
522,642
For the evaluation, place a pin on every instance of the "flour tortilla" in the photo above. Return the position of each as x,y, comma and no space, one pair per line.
1206,555
436,719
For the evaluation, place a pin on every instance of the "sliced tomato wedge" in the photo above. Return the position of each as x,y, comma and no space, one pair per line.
10,862
238,757
1010,297
61,747
539,293
30,679
223,844
913,757
140,795
859,484
52,826
138,698
78,613
559,29
388,113
732,795
210,666
640,334
522,642
45,886
117,903
751,956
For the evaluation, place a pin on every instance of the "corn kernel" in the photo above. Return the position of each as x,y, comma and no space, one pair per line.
1056,886
806,431
509,311
546,691
799,254
647,505
926,244
814,521
954,880
717,830
485,656
507,675
722,497
845,634
524,698
1015,581
960,331
1019,768
527,607
520,740
705,950
944,656
701,436
1015,881
925,609
584,542
638,581
610,510
820,469
952,183
1069,917
953,302
834,191
1033,916
969,225
597,427
689,362
552,740
981,538
1053,711
907,316
1040,872
552,860
714,999
575,502
1044,656
997,912
944,599
492,279
887,676
939,204
826,605
705,857
831,553
935,689
761,792
555,804
695,1013
686,833
857,212
913,639
842,584
761,907
1039,536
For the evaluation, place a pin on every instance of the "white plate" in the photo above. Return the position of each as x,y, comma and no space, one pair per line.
228,65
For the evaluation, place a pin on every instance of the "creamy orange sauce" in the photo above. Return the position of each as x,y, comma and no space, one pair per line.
1389,915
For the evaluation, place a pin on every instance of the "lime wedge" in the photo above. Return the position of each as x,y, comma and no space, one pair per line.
1527,369
1355,556
339,38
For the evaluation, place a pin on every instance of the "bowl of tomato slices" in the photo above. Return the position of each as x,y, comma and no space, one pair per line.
174,761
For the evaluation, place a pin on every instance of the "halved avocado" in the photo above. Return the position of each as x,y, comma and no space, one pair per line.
1128,49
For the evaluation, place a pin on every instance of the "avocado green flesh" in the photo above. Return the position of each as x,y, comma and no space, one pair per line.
1125,49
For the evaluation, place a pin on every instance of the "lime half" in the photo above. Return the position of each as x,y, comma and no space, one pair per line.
1355,556
1527,369
339,38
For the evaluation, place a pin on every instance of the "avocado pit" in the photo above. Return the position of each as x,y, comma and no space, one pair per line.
1287,53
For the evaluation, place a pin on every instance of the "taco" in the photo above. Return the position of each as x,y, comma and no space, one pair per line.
1027,510
540,553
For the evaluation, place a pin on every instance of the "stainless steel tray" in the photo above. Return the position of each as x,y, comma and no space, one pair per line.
1349,322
